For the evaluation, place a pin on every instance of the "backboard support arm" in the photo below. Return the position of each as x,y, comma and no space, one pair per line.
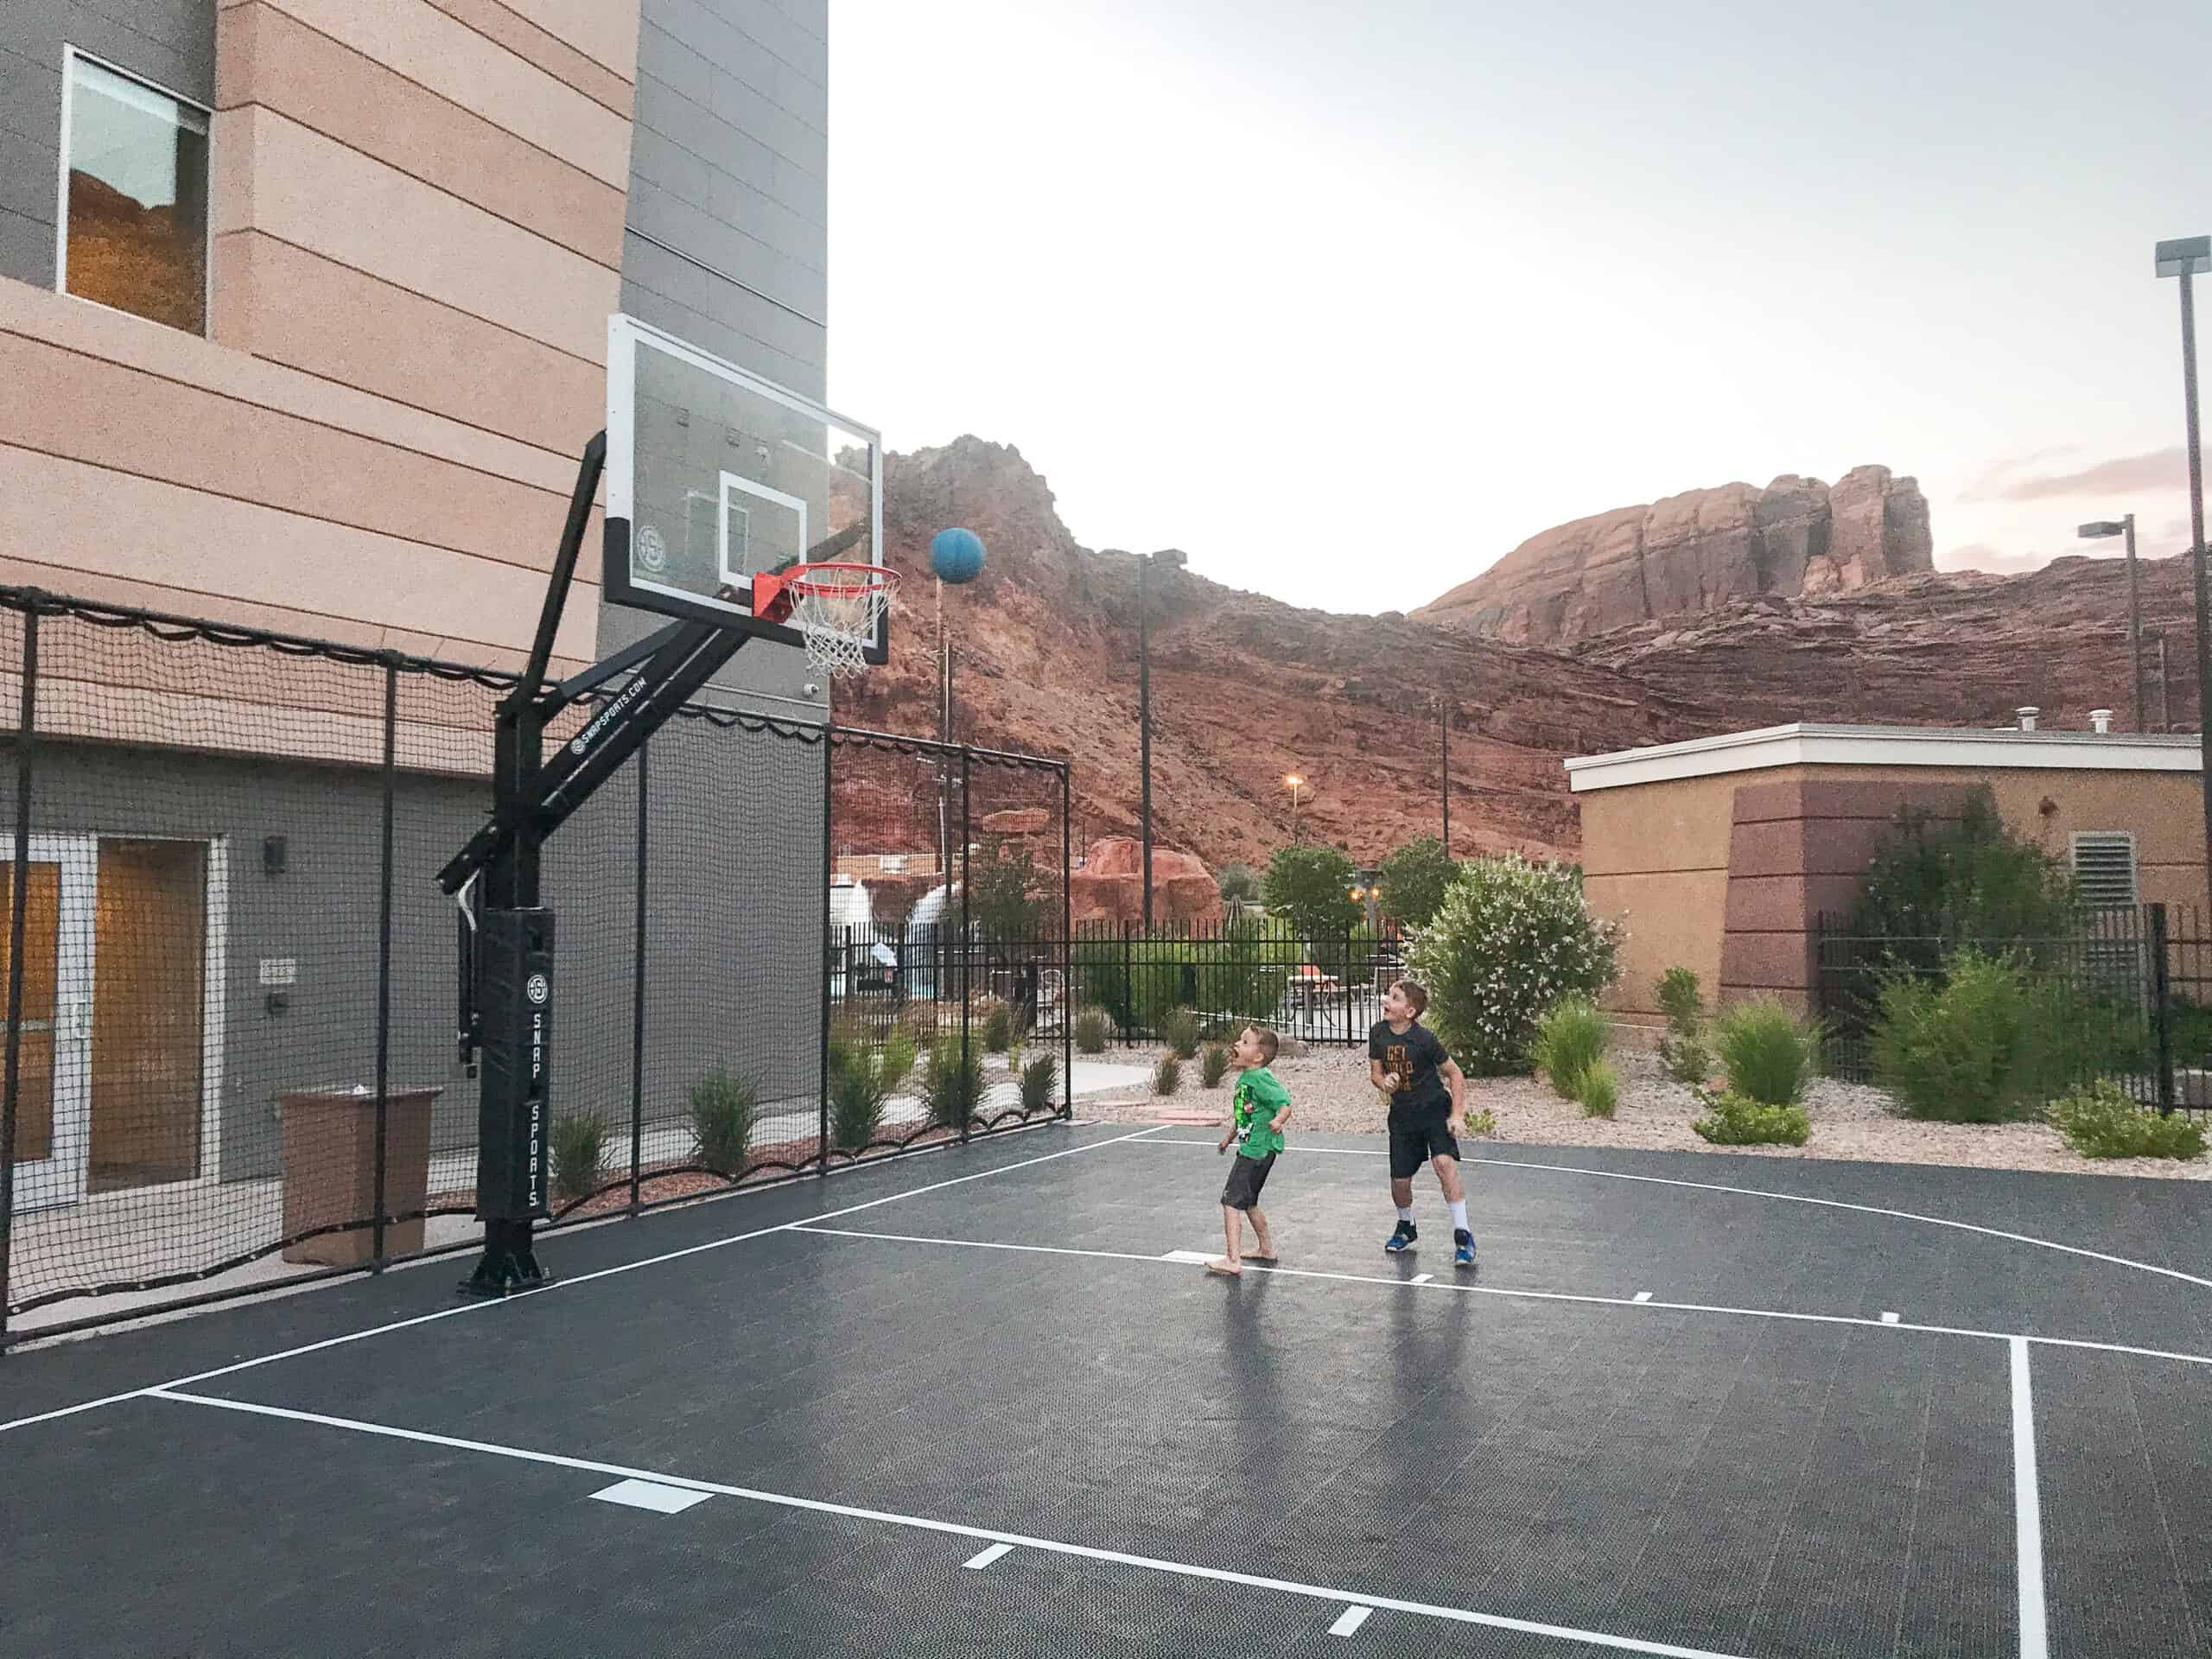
506,944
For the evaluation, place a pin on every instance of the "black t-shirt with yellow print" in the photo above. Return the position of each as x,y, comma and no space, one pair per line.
1414,1057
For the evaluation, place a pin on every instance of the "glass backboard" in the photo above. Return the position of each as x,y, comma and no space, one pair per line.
714,475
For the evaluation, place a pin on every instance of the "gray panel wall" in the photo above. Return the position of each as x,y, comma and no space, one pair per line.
170,42
733,960
728,229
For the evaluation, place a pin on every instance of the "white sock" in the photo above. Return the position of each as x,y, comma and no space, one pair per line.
1405,1213
1459,1215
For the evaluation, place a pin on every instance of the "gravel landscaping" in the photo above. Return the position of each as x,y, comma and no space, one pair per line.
1330,1095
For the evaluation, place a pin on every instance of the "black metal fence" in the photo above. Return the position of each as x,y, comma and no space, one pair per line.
2123,994
231,983
1323,989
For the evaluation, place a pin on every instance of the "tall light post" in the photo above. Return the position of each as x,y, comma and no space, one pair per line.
1296,783
2187,258
2126,527
1167,556
1444,722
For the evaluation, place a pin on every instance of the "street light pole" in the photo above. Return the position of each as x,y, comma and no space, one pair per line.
1144,729
2127,527
1144,709
1296,783
1444,720
2188,258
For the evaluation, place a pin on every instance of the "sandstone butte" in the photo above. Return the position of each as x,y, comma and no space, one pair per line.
1247,689
1695,553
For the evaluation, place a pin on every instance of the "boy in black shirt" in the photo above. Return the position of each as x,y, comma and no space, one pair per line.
1427,1095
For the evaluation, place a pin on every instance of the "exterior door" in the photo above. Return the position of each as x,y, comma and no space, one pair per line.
53,1071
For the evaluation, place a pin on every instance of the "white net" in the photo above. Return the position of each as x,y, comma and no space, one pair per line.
837,607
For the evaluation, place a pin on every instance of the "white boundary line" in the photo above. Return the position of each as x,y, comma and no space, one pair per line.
557,1285
2027,1509
1756,1192
987,1534
1458,1287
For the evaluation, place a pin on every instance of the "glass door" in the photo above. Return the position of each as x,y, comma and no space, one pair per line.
53,1070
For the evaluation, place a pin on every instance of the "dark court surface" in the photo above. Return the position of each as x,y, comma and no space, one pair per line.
894,1390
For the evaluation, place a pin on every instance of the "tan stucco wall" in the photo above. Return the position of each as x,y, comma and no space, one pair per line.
1657,855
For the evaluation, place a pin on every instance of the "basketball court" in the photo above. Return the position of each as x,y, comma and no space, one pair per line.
987,1402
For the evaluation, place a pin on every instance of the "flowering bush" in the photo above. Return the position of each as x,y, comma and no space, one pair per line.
1511,939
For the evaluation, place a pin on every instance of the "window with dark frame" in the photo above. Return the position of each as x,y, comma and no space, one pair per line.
134,197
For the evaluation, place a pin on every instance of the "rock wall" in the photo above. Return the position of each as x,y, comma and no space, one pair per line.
1694,552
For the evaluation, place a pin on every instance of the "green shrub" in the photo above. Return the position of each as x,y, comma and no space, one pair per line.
1966,1049
2104,1121
1213,1065
859,1089
1237,883
1768,1052
1511,938
1038,1080
578,1144
1732,1120
1091,1029
1312,885
1600,1092
1682,1049
1482,1123
1181,1033
1970,878
897,1059
951,1087
1168,1076
998,1029
723,1109
1569,1040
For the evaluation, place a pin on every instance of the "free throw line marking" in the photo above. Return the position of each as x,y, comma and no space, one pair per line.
1889,1319
1755,1192
1458,1289
1420,1279
653,1495
1643,1296
1352,1619
925,1523
2027,1511
557,1285
979,1562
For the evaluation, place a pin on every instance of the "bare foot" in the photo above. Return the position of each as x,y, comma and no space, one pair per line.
1227,1268
1264,1257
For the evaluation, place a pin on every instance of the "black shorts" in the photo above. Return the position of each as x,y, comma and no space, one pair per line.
1245,1180
1412,1144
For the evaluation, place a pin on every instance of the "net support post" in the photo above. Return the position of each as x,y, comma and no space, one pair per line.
821,1127
637,982
967,947
1067,946
19,897
383,1202
2162,1024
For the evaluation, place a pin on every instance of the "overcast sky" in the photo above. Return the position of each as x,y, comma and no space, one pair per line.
1348,300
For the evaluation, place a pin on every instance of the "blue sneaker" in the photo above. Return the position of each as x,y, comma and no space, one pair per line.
1463,1249
1401,1241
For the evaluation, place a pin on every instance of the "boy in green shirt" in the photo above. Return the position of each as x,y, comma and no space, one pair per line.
1258,1110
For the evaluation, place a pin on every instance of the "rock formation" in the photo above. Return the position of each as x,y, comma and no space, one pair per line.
1692,553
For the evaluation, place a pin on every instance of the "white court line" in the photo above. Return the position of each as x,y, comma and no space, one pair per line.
1643,1296
1352,1619
1421,1278
1013,1540
1889,1318
1456,1288
2027,1509
1781,1198
558,1284
979,1562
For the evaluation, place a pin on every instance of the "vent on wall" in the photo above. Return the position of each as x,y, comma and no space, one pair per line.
2104,866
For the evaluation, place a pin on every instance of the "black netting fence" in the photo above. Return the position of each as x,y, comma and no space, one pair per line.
232,1051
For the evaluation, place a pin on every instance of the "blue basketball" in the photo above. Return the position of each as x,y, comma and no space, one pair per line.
957,555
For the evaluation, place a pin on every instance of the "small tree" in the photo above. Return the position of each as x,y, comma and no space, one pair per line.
1005,909
1312,887
1414,879
1970,879
1237,883
1511,940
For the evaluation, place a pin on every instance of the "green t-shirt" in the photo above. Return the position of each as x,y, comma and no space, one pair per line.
1260,1095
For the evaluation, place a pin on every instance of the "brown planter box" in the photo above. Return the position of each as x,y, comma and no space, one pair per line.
330,1169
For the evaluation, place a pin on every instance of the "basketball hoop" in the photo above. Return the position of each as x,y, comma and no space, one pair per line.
838,608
